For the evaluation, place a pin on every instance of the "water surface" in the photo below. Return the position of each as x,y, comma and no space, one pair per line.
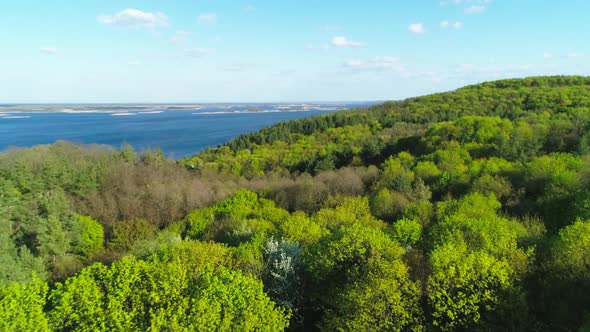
179,130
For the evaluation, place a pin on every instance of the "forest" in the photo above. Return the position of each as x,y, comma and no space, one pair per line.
466,210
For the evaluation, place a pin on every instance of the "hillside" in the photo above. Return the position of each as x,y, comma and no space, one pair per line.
552,101
460,211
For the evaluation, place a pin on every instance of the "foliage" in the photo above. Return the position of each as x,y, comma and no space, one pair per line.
361,282
464,211
22,306
407,232
91,237
126,233
163,295
563,282
465,286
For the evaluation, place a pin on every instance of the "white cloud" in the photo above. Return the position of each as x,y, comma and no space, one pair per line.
354,63
573,55
465,2
330,27
471,6
134,63
379,63
431,76
475,9
491,70
250,8
313,47
48,50
198,52
448,25
466,67
417,28
179,37
340,41
547,55
207,19
238,67
336,42
135,18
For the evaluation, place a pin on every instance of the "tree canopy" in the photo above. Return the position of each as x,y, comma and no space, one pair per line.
459,211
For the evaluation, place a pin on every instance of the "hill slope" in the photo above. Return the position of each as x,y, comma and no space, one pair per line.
362,137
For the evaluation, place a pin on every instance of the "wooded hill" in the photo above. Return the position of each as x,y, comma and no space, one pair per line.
461,211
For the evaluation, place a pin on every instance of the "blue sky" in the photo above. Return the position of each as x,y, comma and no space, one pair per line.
285,50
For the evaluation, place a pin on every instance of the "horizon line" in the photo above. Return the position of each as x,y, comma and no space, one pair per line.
4,104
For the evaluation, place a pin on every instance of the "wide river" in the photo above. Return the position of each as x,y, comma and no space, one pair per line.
179,130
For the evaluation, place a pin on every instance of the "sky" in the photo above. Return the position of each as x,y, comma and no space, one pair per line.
190,51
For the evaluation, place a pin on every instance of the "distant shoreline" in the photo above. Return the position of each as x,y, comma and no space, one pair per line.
168,106
221,108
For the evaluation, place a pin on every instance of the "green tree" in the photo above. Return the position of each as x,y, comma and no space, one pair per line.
351,210
361,283
387,205
407,232
22,305
477,267
564,282
90,237
54,240
127,153
126,233
396,176
465,287
163,295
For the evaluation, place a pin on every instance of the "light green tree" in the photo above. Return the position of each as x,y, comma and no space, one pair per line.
90,236
22,305
172,292
361,283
